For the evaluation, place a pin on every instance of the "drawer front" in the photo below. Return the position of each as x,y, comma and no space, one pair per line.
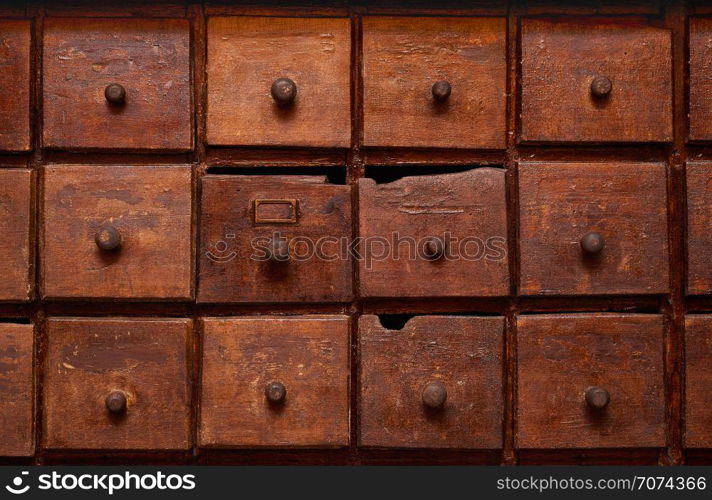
15,42
15,224
117,232
117,384
246,58
404,57
590,381
700,84
698,381
434,236
596,81
149,59
593,228
274,239
275,381
436,383
699,218
16,390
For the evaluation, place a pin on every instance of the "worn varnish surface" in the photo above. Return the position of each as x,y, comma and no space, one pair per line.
700,84
560,356
241,356
151,208
699,238
89,358
698,381
15,39
464,353
624,202
312,216
467,208
150,58
246,54
16,390
559,60
15,225
404,57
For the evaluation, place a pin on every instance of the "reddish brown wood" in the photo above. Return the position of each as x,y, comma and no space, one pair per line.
560,58
700,85
15,39
562,202
307,354
150,58
246,54
151,209
16,390
467,210
589,7
699,237
15,244
698,381
463,353
404,56
312,217
89,358
560,356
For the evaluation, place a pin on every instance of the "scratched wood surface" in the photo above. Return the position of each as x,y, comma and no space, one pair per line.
15,39
699,217
16,254
698,381
700,85
16,390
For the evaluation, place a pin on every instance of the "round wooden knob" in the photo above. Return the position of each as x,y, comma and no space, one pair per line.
115,94
276,393
592,243
434,395
434,248
278,250
441,90
284,91
597,398
108,238
601,87
116,402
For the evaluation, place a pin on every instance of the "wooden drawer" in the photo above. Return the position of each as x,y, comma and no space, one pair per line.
274,239
699,218
403,57
246,58
85,59
275,381
117,384
16,390
15,39
436,383
700,61
566,360
698,381
121,232
596,81
15,224
434,236
593,228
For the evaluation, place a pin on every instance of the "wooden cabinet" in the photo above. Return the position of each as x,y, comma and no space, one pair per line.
16,252
15,41
17,423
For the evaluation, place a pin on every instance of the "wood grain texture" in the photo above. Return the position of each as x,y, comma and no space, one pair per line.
560,356
464,353
308,354
15,39
232,267
700,65
246,54
699,218
89,358
624,202
15,222
467,208
404,56
698,381
150,58
151,208
561,57
16,390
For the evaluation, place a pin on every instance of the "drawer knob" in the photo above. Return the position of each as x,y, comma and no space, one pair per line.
441,90
276,393
601,87
284,90
116,402
278,250
115,94
434,395
597,398
592,243
434,248
108,238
